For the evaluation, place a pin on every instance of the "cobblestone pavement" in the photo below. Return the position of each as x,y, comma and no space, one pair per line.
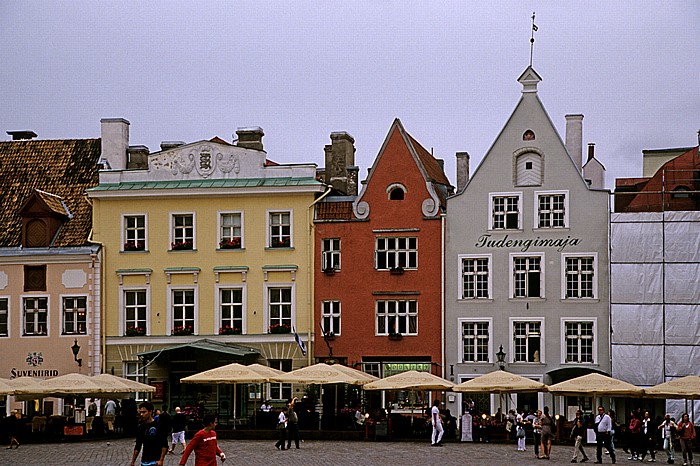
312,453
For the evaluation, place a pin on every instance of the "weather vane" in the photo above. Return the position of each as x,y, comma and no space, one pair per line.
532,36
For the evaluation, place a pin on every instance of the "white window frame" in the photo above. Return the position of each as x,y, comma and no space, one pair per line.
408,251
335,313
63,310
332,253
266,302
123,229
171,311
407,315
490,219
268,227
122,307
511,325
536,207
8,316
139,375
217,306
219,226
460,338
172,230
582,255
284,388
460,273
48,315
521,255
579,320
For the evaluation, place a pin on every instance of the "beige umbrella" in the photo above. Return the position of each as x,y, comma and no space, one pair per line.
687,387
111,384
595,385
322,373
6,388
63,386
24,383
500,382
410,380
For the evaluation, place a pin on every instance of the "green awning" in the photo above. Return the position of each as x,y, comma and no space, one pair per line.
205,345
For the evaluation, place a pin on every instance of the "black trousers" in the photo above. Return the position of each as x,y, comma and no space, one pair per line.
603,439
293,434
283,437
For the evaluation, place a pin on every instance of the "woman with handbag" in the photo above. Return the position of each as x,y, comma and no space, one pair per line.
282,428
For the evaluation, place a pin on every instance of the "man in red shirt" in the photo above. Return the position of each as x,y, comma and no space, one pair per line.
204,445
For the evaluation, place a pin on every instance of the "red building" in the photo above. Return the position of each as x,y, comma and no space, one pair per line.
378,257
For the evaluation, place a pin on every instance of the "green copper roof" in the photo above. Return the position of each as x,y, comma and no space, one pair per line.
188,184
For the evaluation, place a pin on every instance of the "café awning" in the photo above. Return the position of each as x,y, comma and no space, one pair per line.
240,353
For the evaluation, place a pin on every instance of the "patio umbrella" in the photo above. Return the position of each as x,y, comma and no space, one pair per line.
322,373
6,388
595,385
500,382
62,386
111,384
687,387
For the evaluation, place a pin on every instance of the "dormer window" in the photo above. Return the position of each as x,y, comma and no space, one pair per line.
42,214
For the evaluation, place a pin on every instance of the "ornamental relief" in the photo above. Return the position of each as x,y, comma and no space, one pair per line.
204,160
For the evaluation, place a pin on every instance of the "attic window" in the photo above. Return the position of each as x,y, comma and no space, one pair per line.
528,135
396,194
528,165
34,278
36,234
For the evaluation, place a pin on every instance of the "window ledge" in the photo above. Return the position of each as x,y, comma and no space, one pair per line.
506,230
579,300
142,251
182,250
475,300
285,248
527,300
229,249
546,229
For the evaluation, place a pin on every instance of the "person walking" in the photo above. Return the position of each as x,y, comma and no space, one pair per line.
292,424
436,439
667,428
686,435
547,433
165,422
520,431
14,424
577,433
537,433
179,426
634,435
204,445
148,436
603,434
648,438
282,428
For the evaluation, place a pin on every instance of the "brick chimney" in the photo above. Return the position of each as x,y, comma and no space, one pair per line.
115,142
250,138
574,138
462,170
341,172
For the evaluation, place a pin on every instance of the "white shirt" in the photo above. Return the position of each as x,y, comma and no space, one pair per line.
435,414
604,423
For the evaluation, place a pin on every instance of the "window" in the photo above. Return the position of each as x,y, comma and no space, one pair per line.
36,311
476,281
182,232
231,311
230,230
475,341
330,316
552,210
397,317
37,234
74,315
134,232
505,211
135,312
330,254
136,371
281,391
183,307
280,309
4,316
580,276
527,338
280,230
34,278
396,253
580,341
527,277
396,194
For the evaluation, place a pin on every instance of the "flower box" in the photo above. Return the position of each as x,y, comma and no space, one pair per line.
180,330
329,270
396,270
230,243
279,328
395,336
280,242
135,331
228,330
181,246
134,246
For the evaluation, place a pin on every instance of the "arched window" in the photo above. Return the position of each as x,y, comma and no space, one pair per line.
529,135
396,194
528,169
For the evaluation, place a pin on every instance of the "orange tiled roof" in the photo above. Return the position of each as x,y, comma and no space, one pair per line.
64,167
334,211
53,202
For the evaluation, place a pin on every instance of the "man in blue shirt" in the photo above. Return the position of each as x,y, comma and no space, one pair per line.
603,435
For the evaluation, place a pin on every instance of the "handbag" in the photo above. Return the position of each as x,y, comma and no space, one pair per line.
520,432
280,426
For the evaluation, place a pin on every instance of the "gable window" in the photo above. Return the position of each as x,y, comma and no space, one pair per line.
529,135
280,230
396,253
552,210
505,211
35,316
34,278
134,232
279,309
528,166
396,194
330,316
579,341
397,317
330,254
183,312
476,281
182,232
74,315
135,312
580,276
281,391
527,340
231,230
4,316
231,311
475,341
527,276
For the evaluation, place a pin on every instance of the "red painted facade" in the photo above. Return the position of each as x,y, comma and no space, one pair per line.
357,284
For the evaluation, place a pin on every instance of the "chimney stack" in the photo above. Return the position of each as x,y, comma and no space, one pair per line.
115,142
462,170
167,145
591,151
138,158
574,138
250,138
22,135
341,172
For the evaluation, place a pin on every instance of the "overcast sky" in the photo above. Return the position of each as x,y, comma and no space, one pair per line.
301,70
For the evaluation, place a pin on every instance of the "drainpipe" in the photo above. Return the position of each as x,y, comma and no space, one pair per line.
442,289
103,342
310,259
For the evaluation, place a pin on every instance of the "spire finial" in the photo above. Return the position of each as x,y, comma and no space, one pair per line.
532,36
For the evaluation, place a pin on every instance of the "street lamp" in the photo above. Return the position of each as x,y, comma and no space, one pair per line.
501,357
76,349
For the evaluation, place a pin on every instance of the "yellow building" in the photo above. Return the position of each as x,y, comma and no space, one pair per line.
207,254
